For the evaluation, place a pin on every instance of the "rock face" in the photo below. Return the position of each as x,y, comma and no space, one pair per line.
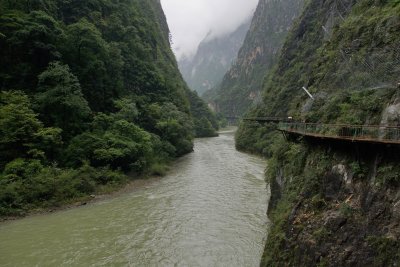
333,203
391,115
242,84
213,58
339,216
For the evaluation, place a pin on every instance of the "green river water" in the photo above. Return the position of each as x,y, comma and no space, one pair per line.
210,210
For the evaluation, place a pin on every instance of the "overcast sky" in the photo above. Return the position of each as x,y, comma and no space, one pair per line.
191,20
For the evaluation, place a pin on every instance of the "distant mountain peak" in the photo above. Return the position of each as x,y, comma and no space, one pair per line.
214,56
242,84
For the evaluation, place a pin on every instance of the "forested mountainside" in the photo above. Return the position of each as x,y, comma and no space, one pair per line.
242,84
213,58
333,203
90,90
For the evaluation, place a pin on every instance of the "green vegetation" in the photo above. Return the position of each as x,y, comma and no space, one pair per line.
388,175
90,90
27,184
351,72
346,53
205,122
256,138
388,250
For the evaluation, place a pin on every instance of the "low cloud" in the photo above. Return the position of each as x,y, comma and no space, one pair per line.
190,21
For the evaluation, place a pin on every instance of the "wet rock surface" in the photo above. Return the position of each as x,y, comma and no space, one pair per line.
350,222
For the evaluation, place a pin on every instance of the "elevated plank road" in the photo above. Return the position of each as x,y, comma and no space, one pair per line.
379,134
270,119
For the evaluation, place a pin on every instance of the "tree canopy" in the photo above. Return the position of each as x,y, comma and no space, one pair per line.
88,89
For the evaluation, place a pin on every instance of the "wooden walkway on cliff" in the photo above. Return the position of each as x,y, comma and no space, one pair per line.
379,134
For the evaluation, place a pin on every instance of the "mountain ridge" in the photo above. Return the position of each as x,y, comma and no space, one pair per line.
212,59
242,85
332,203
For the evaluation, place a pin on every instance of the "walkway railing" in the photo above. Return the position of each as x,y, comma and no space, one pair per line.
359,133
270,119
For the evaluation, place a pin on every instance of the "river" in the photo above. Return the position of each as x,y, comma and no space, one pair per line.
210,210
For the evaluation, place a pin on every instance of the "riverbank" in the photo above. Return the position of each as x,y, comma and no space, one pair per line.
209,209
107,191
101,195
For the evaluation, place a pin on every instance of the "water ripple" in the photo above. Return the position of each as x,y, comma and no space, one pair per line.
209,211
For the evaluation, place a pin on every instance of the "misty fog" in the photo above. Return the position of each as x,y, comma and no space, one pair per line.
190,21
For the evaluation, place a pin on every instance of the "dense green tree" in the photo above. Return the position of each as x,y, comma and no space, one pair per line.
18,126
90,56
127,110
27,6
205,122
28,44
119,144
173,126
61,101
21,132
106,95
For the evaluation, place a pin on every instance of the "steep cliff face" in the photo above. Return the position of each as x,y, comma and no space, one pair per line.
213,58
333,203
242,84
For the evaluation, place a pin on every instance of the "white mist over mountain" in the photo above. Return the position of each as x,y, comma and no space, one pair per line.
190,21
